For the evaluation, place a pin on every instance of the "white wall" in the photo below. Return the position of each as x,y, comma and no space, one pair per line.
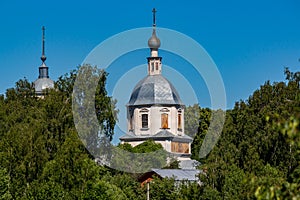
154,120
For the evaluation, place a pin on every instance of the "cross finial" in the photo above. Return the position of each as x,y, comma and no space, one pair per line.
154,20
43,58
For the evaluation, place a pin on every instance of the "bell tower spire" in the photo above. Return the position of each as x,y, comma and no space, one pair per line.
43,69
43,82
154,61
43,58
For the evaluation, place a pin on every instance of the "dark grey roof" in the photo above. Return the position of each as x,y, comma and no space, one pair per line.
164,133
154,89
178,174
42,84
128,135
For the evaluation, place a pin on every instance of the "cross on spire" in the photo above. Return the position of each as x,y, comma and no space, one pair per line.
43,58
154,13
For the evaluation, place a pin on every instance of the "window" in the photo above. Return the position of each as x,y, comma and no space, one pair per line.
164,120
144,120
179,147
179,121
152,67
156,66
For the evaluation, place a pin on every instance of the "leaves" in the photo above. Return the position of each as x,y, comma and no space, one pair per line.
42,157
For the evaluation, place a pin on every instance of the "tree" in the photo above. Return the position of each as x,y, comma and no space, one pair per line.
142,157
39,145
252,157
4,185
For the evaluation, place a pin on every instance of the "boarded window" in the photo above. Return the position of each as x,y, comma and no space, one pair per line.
179,121
164,120
179,147
144,120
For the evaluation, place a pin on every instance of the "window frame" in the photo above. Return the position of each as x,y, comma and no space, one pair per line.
145,121
165,121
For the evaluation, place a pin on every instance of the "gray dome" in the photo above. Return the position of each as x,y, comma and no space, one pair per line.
154,42
42,84
154,89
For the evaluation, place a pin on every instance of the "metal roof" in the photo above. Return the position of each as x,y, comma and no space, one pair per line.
154,89
164,133
179,174
42,84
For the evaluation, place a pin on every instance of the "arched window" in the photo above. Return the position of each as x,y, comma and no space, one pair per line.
179,121
164,120
144,120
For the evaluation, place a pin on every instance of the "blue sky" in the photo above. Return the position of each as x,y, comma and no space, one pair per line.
250,41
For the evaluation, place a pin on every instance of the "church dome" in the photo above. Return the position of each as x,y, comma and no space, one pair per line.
154,42
154,89
42,84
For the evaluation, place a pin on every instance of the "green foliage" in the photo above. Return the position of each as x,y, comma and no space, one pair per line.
142,157
42,157
128,184
163,189
40,152
197,121
290,187
93,111
4,185
103,190
256,158
145,147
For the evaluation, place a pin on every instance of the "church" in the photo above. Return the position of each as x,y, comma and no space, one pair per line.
155,110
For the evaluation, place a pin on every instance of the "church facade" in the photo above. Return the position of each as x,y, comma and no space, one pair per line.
155,110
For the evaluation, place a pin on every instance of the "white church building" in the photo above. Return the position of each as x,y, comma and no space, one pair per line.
155,110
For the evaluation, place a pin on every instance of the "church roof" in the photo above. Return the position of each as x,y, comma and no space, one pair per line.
164,133
179,174
153,90
42,84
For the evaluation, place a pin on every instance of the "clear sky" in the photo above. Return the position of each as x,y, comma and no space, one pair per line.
250,41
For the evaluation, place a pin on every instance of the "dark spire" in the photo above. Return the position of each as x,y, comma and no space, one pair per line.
43,58
154,17
43,69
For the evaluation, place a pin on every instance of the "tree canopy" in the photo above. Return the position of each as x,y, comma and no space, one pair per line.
42,157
